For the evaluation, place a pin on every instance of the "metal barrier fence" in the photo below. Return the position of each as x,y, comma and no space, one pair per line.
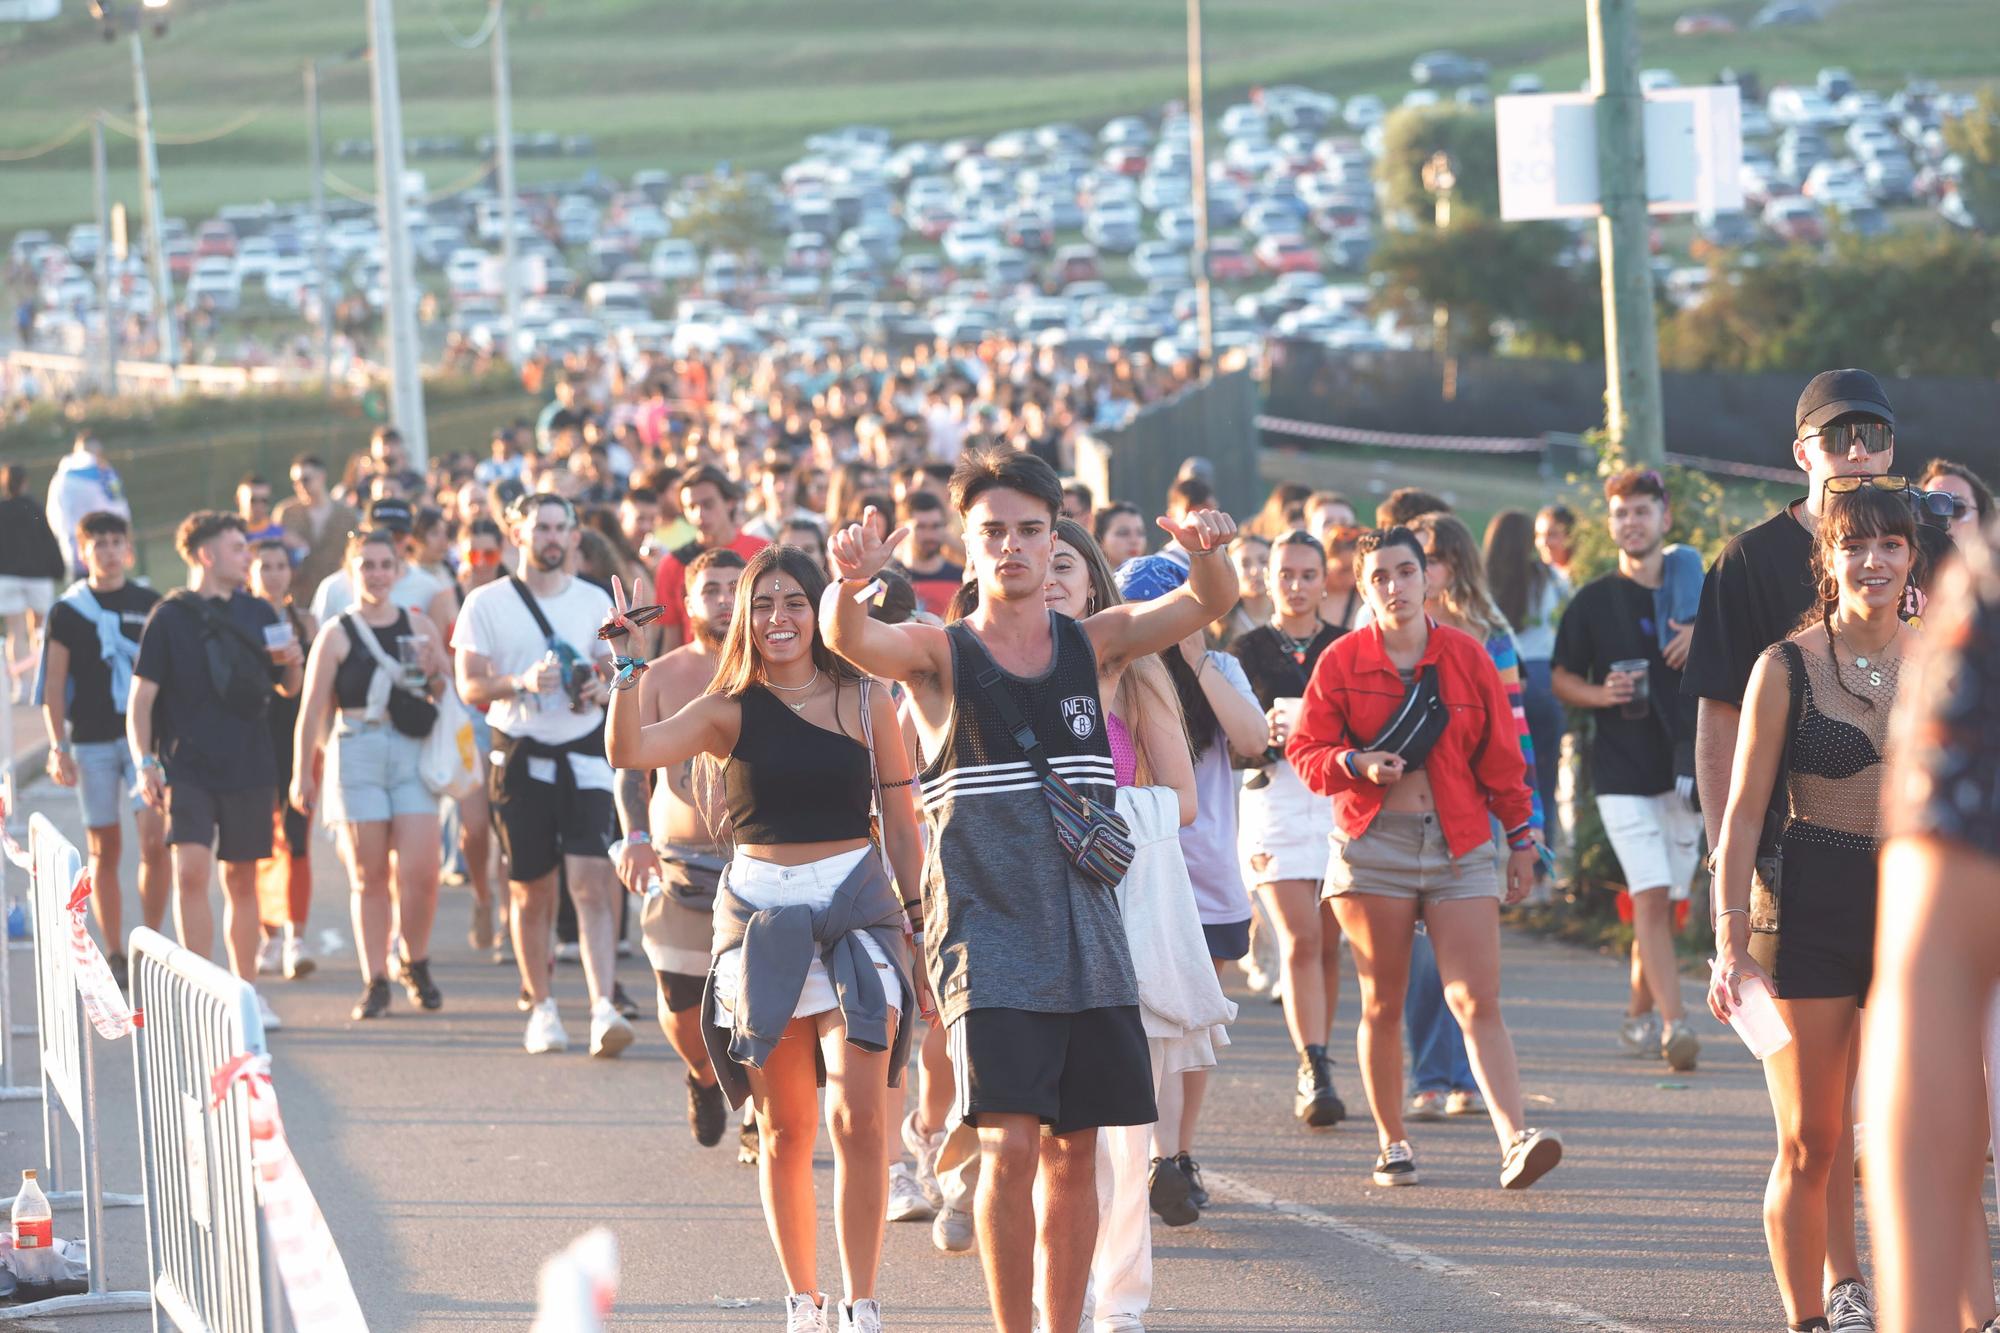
205,1237
1215,419
59,373
68,1072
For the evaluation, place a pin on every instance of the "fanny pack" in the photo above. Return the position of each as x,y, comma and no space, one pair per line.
1096,840
1417,723
691,876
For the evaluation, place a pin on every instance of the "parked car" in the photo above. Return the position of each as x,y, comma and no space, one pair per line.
1228,261
1287,254
1445,69
675,260
1795,219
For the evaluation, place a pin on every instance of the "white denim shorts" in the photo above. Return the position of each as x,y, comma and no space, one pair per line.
1283,829
767,884
1657,840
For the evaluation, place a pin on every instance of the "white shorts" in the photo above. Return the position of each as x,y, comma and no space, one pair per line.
18,595
1657,840
1283,828
767,884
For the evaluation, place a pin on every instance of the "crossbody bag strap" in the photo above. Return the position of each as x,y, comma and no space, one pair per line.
874,774
1795,668
360,630
992,680
534,608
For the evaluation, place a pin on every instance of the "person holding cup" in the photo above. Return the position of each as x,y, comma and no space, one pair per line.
1284,828
1795,912
362,686
1608,661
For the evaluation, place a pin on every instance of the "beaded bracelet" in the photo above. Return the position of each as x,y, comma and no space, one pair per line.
628,671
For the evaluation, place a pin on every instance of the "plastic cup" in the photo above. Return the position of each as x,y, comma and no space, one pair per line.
1640,703
278,637
1757,1020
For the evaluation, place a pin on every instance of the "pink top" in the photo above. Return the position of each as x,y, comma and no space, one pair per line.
1124,759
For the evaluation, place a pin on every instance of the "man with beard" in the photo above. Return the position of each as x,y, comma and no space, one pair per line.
528,652
922,557
678,922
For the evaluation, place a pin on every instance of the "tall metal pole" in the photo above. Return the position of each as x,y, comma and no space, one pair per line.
100,188
1198,160
321,268
503,149
406,384
1631,347
149,177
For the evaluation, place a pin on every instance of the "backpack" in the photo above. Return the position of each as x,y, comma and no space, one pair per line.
239,668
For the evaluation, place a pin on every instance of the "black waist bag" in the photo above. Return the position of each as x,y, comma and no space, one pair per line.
1418,722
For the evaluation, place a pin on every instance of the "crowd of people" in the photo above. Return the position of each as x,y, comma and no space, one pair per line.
899,755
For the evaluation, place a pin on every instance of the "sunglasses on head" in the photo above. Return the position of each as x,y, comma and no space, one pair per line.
1840,439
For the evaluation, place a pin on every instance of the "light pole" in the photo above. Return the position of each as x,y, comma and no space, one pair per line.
321,268
1631,347
503,150
1441,178
149,179
1198,163
399,307
100,183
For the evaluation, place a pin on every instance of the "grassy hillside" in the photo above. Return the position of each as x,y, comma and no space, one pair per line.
684,84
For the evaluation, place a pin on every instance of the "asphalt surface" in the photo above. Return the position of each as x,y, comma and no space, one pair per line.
449,1165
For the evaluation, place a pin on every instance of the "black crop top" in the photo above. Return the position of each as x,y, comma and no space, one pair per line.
789,780
351,677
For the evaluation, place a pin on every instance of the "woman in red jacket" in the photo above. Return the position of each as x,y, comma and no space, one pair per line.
1407,727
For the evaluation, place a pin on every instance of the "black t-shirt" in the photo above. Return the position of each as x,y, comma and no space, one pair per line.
1755,594
1274,672
201,742
93,714
1612,619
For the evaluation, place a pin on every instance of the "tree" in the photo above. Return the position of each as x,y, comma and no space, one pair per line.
1912,302
1488,273
1975,137
729,214
1412,135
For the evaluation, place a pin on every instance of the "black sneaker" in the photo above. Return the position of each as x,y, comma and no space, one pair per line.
1169,1191
374,1001
416,979
1849,1308
1192,1170
747,1146
1316,1102
623,1002
707,1113
120,973
1397,1165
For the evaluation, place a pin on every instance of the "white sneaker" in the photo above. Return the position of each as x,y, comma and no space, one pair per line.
1849,1308
861,1317
272,1022
925,1148
569,953
298,963
545,1030
1640,1036
610,1033
805,1314
906,1198
952,1231
270,956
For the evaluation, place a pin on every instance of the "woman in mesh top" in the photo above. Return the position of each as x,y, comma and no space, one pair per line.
1817,708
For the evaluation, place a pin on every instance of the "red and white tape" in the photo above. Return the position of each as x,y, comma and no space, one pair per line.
1389,439
103,1003
317,1288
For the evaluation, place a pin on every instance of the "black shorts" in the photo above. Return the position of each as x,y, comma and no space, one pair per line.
538,827
1824,948
1228,941
236,823
1070,1071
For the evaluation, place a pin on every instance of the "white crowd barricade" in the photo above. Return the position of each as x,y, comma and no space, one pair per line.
11,1090
68,1061
235,1242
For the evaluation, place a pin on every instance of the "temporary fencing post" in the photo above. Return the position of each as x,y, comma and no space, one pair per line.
68,1074
234,1241
10,1091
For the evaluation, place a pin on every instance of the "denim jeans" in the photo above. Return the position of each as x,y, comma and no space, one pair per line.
1437,1049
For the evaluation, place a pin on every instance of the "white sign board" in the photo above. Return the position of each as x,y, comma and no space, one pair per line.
1548,153
29,11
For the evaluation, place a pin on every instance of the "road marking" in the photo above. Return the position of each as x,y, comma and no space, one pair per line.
1230,1189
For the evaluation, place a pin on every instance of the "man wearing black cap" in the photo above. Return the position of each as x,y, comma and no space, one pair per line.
1761,585
416,589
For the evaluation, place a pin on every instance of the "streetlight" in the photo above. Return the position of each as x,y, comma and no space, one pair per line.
1440,177
107,14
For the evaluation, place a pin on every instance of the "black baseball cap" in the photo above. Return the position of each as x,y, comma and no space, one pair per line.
1838,393
390,513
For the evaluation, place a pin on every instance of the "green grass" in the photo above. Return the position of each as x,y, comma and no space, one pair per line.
682,85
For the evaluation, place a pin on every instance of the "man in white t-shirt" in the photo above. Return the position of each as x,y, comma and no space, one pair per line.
528,652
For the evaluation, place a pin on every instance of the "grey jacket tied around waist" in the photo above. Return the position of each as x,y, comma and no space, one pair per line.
779,944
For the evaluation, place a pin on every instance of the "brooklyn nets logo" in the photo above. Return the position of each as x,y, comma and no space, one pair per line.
1080,715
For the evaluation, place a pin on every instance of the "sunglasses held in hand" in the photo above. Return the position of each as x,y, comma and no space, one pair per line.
639,616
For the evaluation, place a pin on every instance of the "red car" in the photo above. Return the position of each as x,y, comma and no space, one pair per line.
1125,161
1286,254
1228,261
215,238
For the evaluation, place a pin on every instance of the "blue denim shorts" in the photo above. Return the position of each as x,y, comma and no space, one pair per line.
372,774
105,778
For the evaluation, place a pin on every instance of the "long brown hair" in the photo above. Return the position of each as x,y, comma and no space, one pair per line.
1145,684
1515,574
1856,516
1466,597
741,666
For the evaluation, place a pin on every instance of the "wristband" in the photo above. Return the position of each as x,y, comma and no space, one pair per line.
628,671
1744,912
641,838
150,761
1347,762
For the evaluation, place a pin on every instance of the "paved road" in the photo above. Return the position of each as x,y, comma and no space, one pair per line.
449,1164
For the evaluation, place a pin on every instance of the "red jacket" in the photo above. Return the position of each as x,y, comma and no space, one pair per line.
1476,766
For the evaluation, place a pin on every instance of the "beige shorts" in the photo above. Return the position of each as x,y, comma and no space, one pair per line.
1405,855
675,936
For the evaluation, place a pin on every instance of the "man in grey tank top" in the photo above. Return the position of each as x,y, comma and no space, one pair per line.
1026,954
